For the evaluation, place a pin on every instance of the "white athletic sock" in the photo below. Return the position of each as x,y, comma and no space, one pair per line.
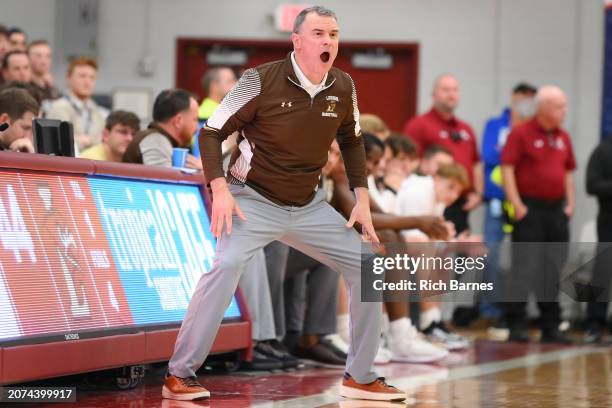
342,325
430,316
399,327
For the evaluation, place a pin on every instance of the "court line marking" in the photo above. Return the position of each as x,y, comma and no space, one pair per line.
458,373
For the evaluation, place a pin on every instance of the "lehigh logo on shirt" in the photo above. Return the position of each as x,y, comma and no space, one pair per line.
329,112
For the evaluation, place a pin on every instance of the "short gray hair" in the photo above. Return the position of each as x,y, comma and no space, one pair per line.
320,10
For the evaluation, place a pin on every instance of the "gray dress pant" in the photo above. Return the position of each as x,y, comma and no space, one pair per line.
256,292
315,229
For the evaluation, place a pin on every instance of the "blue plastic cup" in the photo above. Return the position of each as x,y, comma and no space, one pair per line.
179,157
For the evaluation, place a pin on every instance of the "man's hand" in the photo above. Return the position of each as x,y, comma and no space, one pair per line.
22,145
569,210
193,162
223,207
473,200
435,227
83,140
361,214
48,78
520,210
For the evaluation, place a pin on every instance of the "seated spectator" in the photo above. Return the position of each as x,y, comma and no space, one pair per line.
4,45
121,126
401,159
17,39
40,60
77,106
376,165
373,124
175,119
430,195
32,89
16,67
17,108
434,157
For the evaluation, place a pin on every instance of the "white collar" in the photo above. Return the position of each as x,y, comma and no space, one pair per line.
304,81
80,104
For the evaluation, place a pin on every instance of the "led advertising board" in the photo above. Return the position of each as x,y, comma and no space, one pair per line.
95,254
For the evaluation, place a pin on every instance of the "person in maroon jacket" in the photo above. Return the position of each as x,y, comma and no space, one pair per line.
440,126
537,165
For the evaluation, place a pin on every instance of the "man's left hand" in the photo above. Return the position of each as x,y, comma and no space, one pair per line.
569,210
193,162
473,200
22,145
361,214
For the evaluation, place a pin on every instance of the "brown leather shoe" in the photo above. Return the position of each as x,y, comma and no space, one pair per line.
377,390
183,389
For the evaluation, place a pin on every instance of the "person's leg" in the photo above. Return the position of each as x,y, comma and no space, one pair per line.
320,232
395,310
214,291
555,255
322,296
457,215
297,267
597,309
295,301
276,261
525,265
254,285
342,311
493,237
316,310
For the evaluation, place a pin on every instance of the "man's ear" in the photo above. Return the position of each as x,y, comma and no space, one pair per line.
4,117
296,40
105,135
177,120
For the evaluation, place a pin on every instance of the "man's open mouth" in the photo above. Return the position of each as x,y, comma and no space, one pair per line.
325,56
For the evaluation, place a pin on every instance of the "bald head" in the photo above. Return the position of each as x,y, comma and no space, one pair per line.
552,106
445,94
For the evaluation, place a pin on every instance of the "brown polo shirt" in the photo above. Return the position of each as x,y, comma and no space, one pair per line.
284,133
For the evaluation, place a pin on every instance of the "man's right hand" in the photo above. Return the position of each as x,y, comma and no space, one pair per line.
223,206
434,227
83,140
520,210
22,145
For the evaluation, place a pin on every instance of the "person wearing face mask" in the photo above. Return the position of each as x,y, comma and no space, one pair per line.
496,131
